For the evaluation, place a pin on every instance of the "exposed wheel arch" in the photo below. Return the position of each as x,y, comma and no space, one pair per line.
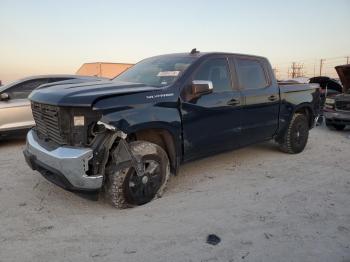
162,138
303,109
307,111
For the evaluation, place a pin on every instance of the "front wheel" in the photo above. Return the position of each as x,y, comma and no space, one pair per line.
296,136
338,127
124,188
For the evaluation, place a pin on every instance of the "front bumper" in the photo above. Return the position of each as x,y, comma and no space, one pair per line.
337,117
64,166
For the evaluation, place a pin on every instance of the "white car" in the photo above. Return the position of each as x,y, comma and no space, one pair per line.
15,109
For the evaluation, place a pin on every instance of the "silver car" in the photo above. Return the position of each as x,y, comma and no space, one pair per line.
15,111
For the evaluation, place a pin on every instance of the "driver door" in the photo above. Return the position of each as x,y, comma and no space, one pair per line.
212,122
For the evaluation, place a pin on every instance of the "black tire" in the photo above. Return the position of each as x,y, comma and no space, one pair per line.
123,188
335,126
296,136
339,127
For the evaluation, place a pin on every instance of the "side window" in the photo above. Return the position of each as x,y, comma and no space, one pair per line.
217,71
250,74
22,90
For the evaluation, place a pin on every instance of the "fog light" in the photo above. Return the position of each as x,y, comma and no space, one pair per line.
79,121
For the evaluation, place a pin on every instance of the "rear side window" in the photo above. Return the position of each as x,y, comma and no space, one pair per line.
251,74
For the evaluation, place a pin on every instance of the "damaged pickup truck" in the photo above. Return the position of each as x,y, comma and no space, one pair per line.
125,137
337,107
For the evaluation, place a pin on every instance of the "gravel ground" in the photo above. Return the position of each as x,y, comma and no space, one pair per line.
264,205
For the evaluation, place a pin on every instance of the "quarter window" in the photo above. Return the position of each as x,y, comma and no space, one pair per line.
217,71
251,74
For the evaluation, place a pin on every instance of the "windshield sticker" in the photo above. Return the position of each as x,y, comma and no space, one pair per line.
169,73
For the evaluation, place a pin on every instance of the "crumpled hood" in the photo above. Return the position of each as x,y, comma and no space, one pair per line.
85,94
344,75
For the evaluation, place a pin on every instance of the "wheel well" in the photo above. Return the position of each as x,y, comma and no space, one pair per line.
307,112
162,138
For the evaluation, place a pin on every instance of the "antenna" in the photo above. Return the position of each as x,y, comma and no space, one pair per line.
194,51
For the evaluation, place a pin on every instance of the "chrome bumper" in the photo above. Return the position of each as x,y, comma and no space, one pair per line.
337,117
67,163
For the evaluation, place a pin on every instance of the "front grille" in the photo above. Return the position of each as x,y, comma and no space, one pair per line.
47,120
342,105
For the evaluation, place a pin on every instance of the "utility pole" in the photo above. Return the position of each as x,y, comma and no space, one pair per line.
293,70
297,70
315,69
321,65
347,60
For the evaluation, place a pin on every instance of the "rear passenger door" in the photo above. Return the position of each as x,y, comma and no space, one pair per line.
261,99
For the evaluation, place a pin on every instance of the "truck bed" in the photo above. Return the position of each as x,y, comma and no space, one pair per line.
287,87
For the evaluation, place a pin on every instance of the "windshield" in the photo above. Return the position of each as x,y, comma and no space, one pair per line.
156,71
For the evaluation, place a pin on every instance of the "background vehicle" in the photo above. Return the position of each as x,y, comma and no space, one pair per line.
15,112
337,106
128,134
329,87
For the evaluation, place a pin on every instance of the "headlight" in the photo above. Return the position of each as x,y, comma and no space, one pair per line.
79,121
330,101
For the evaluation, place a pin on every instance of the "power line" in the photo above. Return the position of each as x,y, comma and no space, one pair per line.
297,70
324,66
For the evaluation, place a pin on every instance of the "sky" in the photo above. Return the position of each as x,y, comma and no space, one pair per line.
51,36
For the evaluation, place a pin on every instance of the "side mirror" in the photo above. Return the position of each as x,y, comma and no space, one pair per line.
4,97
201,87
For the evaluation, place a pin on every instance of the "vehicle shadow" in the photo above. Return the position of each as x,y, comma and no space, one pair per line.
197,171
12,141
13,138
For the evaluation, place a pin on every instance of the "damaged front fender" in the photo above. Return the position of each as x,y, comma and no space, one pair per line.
124,158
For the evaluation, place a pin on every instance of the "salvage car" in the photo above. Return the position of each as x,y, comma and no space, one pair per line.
15,111
329,87
124,137
337,107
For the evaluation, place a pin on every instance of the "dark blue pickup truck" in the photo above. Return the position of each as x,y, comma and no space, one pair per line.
125,137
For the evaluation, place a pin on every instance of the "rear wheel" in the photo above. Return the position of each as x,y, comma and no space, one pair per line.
124,188
335,126
339,127
296,136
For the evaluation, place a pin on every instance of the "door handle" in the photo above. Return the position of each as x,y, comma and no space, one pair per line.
272,98
233,102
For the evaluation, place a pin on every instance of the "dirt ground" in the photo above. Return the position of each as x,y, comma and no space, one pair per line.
264,205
